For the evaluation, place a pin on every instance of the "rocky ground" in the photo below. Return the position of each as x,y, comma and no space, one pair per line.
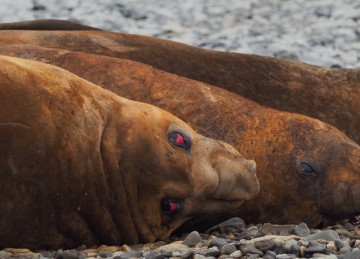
230,239
322,32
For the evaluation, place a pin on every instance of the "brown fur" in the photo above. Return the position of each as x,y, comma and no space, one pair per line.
330,95
277,141
81,165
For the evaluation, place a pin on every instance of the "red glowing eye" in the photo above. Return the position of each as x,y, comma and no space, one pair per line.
171,206
179,140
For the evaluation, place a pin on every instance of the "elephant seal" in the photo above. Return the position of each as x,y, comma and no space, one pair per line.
308,170
330,95
81,165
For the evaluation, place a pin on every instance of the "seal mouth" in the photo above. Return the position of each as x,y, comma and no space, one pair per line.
172,206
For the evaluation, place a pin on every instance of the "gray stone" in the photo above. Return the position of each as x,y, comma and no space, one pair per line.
342,231
302,230
228,249
176,254
340,244
319,248
187,255
192,239
264,245
198,256
270,255
244,235
323,11
282,230
70,254
173,247
289,244
50,254
213,251
105,254
132,254
235,223
352,255
328,235
151,255
285,256
160,256
254,251
345,250
218,242
328,257
253,231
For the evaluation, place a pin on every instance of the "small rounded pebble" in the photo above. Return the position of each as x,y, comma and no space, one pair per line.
192,239
236,254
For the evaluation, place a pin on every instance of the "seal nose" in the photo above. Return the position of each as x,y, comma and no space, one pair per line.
237,176
250,165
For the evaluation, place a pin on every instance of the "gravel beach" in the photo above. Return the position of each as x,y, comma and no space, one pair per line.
320,32
230,239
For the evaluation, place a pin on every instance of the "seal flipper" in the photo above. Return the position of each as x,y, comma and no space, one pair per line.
75,228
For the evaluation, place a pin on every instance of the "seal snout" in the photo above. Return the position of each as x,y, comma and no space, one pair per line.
237,176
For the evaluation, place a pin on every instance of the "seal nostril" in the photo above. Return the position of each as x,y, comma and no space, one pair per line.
251,166
171,206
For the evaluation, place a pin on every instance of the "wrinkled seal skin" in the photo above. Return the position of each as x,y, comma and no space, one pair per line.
81,165
279,142
330,95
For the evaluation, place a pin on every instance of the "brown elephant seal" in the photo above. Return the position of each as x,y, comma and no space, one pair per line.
55,24
308,170
81,165
330,95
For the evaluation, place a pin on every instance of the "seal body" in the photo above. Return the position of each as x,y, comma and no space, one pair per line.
81,165
308,170
330,95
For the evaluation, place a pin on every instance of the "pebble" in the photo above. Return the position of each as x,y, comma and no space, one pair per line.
329,235
264,245
270,255
302,230
352,255
233,223
281,230
192,239
174,247
236,254
218,242
318,248
213,251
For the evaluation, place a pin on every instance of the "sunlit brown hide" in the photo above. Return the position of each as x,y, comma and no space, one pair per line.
308,170
331,95
82,165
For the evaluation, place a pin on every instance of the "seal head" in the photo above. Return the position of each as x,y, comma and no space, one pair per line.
81,165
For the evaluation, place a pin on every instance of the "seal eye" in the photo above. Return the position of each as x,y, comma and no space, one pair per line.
179,139
170,206
306,169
